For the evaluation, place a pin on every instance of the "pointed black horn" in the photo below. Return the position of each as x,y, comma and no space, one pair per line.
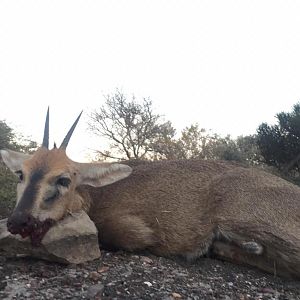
46,132
66,140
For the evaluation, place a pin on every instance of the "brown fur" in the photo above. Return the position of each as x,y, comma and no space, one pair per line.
181,208
54,163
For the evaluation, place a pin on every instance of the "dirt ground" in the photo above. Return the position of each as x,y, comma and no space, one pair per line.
120,275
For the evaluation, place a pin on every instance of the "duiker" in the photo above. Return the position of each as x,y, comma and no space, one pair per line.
172,208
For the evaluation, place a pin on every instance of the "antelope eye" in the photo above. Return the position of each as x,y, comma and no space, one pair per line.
63,181
20,174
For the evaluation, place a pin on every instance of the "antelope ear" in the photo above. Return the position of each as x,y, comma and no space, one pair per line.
100,174
14,160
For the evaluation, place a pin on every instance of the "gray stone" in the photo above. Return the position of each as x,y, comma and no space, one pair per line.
71,240
95,290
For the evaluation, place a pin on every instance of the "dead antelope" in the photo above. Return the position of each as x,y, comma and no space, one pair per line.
172,208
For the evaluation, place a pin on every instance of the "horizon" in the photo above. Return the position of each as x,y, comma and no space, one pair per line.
90,155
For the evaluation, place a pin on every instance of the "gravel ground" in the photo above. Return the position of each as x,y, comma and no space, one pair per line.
121,275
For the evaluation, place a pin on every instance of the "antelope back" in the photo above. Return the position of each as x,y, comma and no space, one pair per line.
184,207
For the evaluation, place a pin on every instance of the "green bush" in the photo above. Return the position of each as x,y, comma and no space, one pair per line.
8,184
10,140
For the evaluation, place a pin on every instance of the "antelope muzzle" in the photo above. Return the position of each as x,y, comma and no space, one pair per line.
28,226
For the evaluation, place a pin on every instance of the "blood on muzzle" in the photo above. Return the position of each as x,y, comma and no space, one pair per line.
26,225
19,222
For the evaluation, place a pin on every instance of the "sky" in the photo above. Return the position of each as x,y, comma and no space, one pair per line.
227,65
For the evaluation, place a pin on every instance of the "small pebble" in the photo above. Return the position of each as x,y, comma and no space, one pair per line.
148,283
95,290
103,269
267,290
146,259
95,276
176,296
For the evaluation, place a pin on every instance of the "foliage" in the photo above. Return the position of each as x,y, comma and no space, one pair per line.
7,190
8,140
133,130
6,136
244,149
8,181
194,143
280,143
197,143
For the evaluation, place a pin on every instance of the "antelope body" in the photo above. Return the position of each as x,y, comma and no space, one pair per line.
172,208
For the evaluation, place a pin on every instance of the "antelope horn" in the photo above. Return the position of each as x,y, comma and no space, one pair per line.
66,140
46,132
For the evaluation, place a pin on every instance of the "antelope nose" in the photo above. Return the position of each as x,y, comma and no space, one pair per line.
18,221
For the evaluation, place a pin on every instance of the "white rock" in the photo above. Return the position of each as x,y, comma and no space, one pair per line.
148,283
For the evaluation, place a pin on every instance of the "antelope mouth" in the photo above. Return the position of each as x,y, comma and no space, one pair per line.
34,228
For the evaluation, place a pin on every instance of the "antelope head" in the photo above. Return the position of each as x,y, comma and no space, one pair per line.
48,179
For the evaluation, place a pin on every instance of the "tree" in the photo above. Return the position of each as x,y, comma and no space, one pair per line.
188,146
225,148
7,180
133,130
198,143
194,142
249,149
8,140
243,149
280,143
6,136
